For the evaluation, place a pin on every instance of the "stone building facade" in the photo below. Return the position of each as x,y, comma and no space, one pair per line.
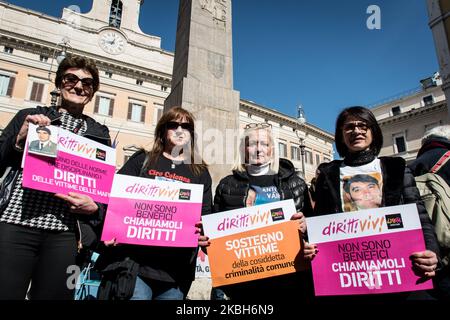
405,119
135,75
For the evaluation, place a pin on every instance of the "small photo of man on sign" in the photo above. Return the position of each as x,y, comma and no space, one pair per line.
43,145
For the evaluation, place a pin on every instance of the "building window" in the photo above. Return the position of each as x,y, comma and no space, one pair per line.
309,157
6,85
158,112
104,106
37,90
325,159
317,159
115,14
108,74
428,100
396,111
163,88
139,82
43,58
136,112
283,149
295,153
399,143
8,50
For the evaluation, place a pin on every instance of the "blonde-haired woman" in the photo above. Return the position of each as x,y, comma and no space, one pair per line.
259,177
165,273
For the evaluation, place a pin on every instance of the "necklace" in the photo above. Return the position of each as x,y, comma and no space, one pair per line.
173,165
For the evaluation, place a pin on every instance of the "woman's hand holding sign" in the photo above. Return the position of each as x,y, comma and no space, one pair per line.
79,203
309,250
203,241
37,119
424,263
301,221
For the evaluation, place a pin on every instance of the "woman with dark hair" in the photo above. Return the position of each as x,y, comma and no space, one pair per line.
38,229
164,273
358,141
259,176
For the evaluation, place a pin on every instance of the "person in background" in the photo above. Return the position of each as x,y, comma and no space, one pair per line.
259,177
38,230
436,147
359,140
312,187
164,273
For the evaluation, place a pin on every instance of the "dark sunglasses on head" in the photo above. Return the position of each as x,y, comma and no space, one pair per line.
173,125
69,79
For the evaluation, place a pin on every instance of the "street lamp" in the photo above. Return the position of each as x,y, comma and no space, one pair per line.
59,54
301,120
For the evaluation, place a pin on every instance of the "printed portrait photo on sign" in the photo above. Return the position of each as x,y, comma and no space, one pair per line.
362,191
43,142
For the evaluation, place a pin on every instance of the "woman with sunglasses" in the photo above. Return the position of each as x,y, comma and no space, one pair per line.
164,273
38,230
359,140
259,177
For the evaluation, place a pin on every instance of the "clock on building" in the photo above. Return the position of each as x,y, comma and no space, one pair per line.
112,41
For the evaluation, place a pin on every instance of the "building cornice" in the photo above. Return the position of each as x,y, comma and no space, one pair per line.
60,21
438,106
116,66
276,116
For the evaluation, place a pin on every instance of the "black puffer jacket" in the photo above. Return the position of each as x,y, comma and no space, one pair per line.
399,187
231,193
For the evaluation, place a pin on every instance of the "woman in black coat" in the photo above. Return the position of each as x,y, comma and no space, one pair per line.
260,177
436,148
38,230
359,141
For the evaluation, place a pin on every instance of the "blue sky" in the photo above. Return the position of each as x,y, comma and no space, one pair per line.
318,53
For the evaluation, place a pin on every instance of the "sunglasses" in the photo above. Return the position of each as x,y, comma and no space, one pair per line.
258,125
71,80
173,125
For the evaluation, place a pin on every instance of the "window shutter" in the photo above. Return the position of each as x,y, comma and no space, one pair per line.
97,103
9,92
130,110
40,90
143,114
33,92
111,107
159,115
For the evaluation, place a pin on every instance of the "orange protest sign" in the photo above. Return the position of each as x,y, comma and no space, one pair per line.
255,254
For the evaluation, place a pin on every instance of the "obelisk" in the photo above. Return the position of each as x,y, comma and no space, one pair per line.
202,80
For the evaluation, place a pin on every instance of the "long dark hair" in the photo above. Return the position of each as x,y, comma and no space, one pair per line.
363,114
196,164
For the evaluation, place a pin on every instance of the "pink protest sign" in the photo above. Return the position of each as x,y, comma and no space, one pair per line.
81,165
367,251
153,212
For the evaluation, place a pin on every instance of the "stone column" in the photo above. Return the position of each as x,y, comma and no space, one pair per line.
203,80
439,15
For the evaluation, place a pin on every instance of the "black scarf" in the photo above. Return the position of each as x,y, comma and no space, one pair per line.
360,158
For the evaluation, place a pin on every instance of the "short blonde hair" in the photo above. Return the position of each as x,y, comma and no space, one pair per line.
241,157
